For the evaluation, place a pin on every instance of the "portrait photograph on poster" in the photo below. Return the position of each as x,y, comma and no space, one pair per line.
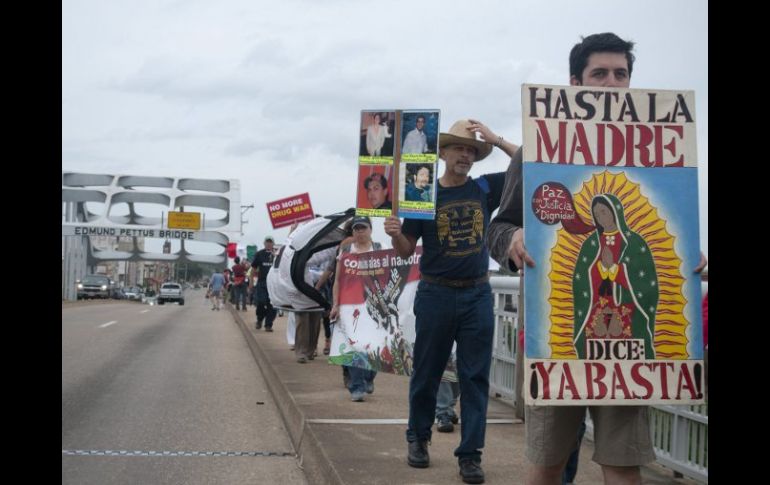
375,190
419,182
377,136
419,135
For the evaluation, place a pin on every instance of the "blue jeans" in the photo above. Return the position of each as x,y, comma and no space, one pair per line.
445,315
359,377
240,295
570,470
446,399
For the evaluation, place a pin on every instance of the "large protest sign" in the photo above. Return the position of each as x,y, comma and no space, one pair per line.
612,309
285,212
397,162
375,328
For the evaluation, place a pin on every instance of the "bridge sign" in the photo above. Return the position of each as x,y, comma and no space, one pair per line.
184,220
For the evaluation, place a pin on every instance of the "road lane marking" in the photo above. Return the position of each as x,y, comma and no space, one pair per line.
144,311
175,453
108,324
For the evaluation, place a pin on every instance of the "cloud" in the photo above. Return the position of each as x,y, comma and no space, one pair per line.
270,93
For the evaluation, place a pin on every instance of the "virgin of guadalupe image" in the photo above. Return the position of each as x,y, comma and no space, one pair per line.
615,286
615,274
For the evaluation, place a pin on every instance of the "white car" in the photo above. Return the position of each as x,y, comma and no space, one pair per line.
133,293
171,291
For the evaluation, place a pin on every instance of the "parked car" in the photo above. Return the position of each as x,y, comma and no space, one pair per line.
94,286
171,291
133,293
116,292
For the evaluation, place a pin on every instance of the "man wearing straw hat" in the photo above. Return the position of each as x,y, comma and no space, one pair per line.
454,298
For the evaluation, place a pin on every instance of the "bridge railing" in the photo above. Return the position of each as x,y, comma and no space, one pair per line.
679,433
680,438
503,377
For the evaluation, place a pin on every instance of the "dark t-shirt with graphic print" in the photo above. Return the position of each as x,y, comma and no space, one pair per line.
453,244
263,261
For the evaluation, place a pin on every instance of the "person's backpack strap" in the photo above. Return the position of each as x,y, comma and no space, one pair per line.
483,183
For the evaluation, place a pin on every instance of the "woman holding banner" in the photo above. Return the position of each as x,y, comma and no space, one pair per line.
361,380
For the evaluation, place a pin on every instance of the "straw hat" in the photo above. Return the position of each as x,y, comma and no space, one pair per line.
460,134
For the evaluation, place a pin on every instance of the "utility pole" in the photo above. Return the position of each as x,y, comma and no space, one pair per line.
167,250
244,209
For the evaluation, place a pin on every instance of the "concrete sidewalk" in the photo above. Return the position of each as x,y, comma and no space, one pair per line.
339,443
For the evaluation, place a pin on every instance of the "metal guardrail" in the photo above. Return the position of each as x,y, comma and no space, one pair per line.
680,438
679,433
503,375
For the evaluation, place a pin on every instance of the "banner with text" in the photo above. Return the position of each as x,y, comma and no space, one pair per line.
375,328
285,212
612,309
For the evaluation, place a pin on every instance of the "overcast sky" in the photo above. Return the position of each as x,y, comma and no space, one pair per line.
270,93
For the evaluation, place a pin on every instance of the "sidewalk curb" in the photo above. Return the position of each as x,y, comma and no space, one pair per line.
314,462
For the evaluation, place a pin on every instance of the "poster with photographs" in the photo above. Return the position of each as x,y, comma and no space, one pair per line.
418,163
377,136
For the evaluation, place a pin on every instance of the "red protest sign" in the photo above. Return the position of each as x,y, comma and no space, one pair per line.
285,212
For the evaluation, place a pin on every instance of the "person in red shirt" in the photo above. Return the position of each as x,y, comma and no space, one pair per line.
227,296
239,284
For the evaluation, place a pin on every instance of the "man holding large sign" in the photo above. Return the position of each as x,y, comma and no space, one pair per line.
606,306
